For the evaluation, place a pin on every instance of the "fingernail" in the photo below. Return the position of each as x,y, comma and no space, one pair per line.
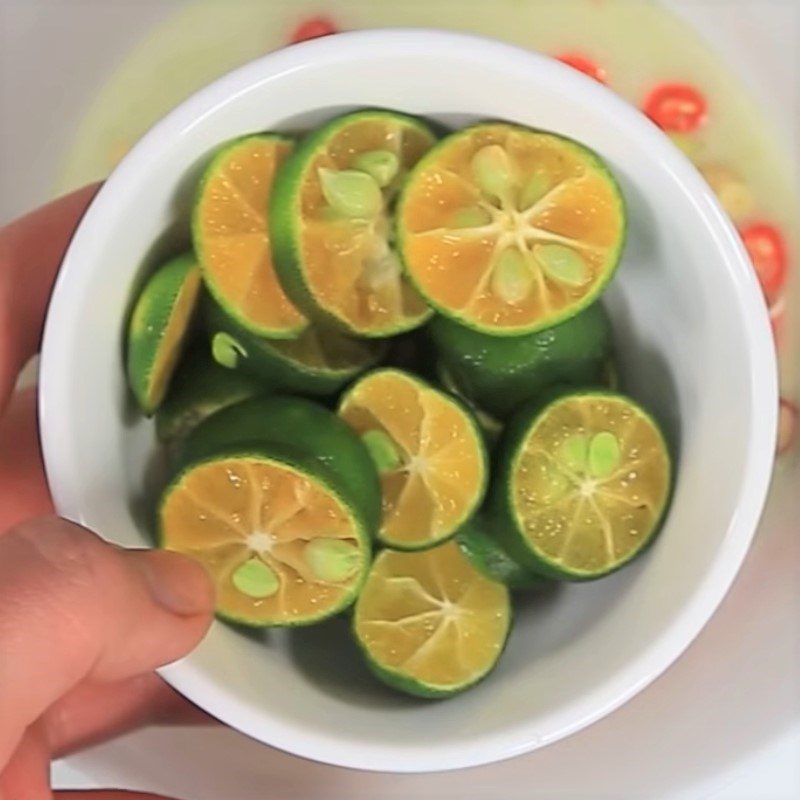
176,583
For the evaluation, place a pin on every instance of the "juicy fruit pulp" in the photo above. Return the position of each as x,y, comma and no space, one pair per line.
313,256
231,235
510,230
309,431
158,329
587,482
332,228
280,547
429,623
428,452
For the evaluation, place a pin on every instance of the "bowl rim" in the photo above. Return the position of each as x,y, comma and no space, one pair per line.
761,434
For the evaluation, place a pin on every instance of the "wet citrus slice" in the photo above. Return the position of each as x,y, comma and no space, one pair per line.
500,373
332,222
510,230
158,329
230,229
304,427
281,546
319,362
429,623
582,485
200,387
429,454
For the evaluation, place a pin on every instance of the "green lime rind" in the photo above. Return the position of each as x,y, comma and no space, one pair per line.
402,682
506,525
597,290
501,374
148,328
488,556
412,352
491,427
285,219
309,467
480,443
199,388
276,362
220,157
305,427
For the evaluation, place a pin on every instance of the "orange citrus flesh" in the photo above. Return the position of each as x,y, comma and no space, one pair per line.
232,236
178,328
585,515
227,512
527,256
440,470
432,617
349,265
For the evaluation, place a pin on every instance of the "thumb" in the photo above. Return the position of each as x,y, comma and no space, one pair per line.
74,607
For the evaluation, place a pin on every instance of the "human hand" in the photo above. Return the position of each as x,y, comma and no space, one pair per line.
82,623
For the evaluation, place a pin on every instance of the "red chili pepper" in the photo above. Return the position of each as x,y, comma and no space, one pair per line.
585,65
676,107
312,28
767,251
787,425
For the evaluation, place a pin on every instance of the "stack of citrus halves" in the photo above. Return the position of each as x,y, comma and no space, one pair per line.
443,293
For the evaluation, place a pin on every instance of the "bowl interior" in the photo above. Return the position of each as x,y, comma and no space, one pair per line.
693,342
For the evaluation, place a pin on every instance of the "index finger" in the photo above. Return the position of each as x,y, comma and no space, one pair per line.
31,250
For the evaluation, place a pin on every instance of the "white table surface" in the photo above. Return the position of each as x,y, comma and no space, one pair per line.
724,722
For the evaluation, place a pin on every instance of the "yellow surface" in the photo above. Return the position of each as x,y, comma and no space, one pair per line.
432,616
170,347
454,266
441,470
573,519
225,512
340,256
233,233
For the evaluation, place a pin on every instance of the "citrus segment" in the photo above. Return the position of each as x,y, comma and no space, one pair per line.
508,229
332,226
429,623
428,451
231,236
158,329
584,484
308,429
265,531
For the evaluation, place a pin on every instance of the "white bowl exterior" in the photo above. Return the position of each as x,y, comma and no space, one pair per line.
695,343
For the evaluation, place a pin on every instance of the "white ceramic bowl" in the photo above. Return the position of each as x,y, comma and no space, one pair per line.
694,341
